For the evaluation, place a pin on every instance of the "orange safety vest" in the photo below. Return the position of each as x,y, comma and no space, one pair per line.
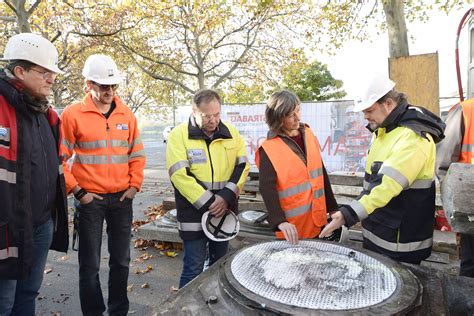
300,187
467,150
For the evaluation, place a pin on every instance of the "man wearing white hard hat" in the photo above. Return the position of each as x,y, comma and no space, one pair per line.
106,173
33,211
207,165
397,204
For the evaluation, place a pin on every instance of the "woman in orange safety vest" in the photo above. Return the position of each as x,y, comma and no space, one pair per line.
293,181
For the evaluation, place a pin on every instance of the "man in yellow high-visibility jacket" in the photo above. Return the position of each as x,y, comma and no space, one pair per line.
397,204
208,166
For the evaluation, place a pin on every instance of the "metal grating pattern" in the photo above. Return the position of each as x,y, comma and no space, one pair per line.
313,275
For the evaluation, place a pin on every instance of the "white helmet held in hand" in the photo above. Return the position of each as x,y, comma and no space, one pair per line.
377,87
33,48
221,228
101,69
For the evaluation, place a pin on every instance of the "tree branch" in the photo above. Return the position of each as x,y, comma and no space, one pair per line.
33,7
11,6
131,50
7,18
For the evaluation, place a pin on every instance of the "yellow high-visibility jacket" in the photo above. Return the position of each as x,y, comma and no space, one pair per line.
397,204
200,167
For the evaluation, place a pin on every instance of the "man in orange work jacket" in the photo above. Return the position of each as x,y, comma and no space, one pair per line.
106,173
458,146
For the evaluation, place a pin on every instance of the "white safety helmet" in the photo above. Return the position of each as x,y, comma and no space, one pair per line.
33,48
101,69
350,109
378,86
221,228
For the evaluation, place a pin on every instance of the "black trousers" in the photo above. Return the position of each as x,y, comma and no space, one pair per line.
118,217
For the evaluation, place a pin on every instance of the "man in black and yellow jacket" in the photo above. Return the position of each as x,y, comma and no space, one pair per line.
397,204
207,164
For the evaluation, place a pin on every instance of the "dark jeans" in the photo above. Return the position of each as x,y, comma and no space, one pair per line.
18,297
195,255
467,255
118,216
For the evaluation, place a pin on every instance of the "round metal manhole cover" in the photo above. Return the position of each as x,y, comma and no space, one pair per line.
314,275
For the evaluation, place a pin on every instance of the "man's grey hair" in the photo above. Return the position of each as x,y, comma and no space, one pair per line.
205,96
280,105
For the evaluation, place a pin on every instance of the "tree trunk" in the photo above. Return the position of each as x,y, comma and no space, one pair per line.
22,16
397,29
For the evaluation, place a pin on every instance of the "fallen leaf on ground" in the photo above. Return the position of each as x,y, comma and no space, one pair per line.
49,270
130,288
138,223
171,254
64,258
143,257
145,285
173,289
146,270
155,212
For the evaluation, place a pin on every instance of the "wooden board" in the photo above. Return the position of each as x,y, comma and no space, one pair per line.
418,77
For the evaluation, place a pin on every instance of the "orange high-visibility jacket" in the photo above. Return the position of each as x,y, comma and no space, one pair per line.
467,149
109,155
300,187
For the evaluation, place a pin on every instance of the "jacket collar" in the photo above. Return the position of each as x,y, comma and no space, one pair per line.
418,119
194,132
89,106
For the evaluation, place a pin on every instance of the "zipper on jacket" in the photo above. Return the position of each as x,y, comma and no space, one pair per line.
109,147
210,163
44,156
7,240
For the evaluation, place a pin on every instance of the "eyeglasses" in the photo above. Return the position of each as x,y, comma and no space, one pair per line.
105,87
210,116
45,73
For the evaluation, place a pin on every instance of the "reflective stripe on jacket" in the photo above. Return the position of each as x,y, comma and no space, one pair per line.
199,167
467,149
109,154
398,201
300,187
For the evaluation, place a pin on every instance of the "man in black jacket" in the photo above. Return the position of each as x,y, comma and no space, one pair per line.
33,214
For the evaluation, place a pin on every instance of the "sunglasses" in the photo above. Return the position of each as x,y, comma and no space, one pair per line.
105,87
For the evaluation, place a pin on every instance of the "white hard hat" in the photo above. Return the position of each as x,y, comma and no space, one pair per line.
101,69
378,86
33,48
221,228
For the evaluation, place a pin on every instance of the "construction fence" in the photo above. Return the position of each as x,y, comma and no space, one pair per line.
341,133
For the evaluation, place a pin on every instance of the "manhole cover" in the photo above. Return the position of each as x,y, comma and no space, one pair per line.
314,275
